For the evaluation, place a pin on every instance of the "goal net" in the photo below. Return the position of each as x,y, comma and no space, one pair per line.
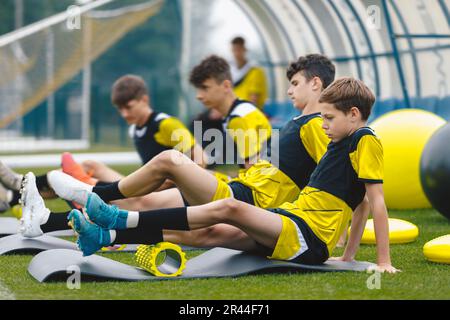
45,73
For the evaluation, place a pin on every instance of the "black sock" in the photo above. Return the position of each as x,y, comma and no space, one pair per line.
139,236
151,225
102,183
109,192
56,222
42,183
169,219
15,198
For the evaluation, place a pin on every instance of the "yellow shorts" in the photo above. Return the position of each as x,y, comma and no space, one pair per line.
297,242
291,242
270,186
223,190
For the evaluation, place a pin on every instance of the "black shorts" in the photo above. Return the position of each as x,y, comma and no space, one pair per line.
240,192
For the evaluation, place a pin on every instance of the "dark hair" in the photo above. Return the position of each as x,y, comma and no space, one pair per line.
213,67
127,88
346,93
313,65
238,41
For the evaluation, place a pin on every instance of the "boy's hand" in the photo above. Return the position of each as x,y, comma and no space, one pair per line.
383,267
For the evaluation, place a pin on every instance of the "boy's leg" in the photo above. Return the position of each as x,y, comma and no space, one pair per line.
220,235
197,185
100,171
261,226
170,198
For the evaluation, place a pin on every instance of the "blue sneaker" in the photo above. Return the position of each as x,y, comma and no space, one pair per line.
91,237
106,216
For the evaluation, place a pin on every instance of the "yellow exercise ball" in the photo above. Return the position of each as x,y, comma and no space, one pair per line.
404,134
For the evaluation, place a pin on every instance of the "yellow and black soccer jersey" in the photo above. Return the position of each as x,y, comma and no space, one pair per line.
337,185
161,132
249,128
302,144
349,164
254,82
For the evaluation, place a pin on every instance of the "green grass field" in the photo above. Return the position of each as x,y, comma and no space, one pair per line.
419,278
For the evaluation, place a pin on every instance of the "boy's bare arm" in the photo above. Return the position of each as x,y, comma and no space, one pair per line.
380,219
360,216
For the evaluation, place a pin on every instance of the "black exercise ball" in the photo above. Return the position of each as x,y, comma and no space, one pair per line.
435,170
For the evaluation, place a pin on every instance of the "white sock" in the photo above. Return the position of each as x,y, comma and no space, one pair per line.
132,220
112,234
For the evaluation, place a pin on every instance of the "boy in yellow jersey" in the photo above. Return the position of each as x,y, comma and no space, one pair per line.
305,231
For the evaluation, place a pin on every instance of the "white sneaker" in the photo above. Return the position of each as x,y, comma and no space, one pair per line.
34,212
69,188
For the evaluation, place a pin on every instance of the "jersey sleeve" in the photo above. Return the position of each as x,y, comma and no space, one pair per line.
245,137
173,133
367,160
314,139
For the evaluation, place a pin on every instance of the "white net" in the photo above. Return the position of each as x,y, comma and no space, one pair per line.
39,59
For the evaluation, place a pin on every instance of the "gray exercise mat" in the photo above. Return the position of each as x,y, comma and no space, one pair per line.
9,226
17,244
55,265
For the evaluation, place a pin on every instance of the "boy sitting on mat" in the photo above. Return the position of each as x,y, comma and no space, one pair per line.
305,231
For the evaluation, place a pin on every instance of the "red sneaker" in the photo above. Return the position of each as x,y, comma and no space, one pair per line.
72,168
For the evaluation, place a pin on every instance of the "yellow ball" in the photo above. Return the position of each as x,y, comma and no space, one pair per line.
17,211
404,134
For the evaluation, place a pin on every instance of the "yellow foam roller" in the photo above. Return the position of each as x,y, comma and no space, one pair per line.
400,231
164,259
438,250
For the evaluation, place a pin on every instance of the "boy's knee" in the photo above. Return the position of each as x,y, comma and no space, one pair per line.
229,209
166,160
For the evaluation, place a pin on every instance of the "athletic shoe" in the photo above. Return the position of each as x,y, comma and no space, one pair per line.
106,216
91,237
34,212
5,198
9,178
72,168
69,188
